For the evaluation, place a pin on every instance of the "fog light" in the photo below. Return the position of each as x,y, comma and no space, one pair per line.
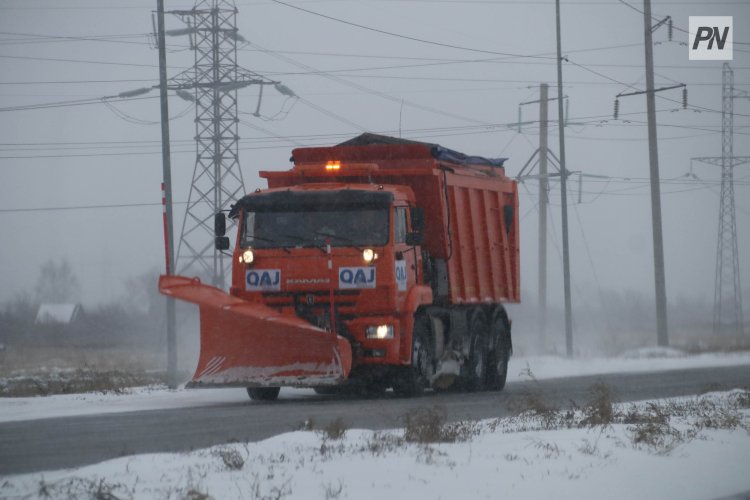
379,332
247,257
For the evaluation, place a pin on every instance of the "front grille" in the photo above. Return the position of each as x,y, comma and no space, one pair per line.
320,298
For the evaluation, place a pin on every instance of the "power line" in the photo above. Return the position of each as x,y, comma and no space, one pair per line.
406,37
84,207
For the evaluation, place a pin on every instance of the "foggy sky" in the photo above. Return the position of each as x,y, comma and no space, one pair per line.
89,156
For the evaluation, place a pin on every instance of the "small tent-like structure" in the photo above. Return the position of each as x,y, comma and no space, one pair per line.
58,313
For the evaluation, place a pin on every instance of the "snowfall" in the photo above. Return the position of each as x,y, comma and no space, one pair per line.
700,450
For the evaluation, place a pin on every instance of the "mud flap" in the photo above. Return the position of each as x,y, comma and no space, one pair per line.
250,345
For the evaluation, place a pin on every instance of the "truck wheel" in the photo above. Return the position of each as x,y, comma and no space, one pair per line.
411,381
263,393
476,368
497,364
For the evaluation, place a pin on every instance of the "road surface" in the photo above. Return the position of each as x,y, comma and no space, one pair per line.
55,443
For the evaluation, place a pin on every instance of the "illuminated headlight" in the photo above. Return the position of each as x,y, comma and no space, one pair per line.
379,332
369,255
247,257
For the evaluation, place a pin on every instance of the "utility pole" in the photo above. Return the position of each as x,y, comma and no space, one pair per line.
543,202
653,154
167,198
563,194
542,155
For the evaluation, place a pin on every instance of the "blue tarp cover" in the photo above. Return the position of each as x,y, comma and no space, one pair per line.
438,151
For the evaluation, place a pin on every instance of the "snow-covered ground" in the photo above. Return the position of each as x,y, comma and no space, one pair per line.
695,447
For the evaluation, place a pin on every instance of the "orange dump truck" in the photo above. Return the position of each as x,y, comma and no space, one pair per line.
376,263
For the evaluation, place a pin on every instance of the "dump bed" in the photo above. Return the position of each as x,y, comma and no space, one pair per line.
470,206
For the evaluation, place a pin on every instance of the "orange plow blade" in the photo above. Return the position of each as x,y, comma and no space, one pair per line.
251,345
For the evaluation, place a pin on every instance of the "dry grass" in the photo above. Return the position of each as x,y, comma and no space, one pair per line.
76,381
428,425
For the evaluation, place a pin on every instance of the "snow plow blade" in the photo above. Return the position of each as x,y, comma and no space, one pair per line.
244,344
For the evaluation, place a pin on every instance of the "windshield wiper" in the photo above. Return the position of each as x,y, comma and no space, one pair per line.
259,238
341,238
302,240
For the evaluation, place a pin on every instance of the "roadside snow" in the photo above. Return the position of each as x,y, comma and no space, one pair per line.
501,459
158,398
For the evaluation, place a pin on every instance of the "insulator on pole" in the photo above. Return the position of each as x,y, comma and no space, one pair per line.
684,97
670,29
617,108
519,119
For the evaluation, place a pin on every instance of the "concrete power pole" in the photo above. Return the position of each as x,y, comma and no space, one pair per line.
653,154
564,194
167,195
543,202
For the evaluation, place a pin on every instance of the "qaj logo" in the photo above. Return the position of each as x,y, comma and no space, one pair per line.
710,38
263,280
357,277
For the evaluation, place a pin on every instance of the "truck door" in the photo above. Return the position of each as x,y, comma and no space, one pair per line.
406,257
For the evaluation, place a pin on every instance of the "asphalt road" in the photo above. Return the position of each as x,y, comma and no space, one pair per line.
56,443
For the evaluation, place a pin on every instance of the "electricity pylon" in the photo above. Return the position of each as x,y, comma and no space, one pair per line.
727,290
217,178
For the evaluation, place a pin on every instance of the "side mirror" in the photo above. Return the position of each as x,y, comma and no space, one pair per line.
417,219
221,243
414,239
220,224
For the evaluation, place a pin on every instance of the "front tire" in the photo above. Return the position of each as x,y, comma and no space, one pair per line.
263,393
411,381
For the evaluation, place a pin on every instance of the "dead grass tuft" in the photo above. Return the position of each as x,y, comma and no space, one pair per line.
231,458
335,429
598,410
428,425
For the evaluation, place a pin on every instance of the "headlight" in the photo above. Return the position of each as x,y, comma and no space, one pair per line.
247,257
379,332
369,255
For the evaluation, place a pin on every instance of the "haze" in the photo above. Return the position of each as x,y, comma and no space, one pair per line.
82,181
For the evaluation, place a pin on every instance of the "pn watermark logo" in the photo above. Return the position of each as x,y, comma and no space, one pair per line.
710,38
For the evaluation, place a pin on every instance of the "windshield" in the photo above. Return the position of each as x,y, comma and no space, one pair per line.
311,228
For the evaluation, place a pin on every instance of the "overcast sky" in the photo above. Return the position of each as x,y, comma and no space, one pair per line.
353,79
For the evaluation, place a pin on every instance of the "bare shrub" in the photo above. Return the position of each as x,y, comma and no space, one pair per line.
660,438
195,494
382,442
332,492
78,487
598,409
742,400
335,429
231,458
428,425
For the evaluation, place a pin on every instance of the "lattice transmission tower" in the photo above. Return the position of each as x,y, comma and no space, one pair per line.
727,290
217,178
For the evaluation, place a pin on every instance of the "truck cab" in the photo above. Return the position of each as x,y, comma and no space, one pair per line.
344,257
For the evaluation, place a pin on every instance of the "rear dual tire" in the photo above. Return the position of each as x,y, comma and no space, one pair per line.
475,372
497,365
